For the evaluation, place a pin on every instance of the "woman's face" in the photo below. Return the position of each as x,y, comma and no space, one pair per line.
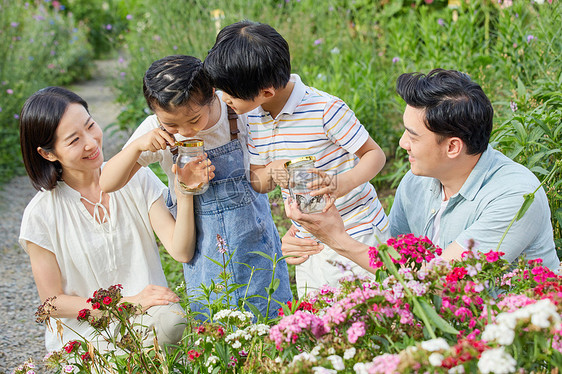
78,144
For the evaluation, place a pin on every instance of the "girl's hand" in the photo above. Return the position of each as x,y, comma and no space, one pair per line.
195,172
155,140
153,295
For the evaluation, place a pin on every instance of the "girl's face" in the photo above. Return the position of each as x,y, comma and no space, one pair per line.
189,120
78,144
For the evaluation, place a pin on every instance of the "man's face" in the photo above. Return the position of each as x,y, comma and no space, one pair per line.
426,155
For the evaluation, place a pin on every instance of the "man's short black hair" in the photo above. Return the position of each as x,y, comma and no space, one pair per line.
454,105
248,57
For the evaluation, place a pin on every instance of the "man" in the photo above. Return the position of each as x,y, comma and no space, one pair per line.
459,188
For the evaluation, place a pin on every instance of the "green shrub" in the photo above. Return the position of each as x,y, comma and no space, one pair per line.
357,49
39,46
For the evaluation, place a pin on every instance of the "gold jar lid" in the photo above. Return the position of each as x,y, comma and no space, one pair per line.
299,160
191,142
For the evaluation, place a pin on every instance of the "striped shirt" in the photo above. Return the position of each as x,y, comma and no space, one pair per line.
314,123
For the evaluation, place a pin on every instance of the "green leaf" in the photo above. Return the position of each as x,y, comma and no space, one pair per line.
263,255
273,286
215,261
558,215
436,319
529,198
253,309
394,253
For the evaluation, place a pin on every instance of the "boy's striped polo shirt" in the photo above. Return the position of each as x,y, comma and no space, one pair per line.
314,123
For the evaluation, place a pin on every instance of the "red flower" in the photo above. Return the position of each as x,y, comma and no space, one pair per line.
69,347
193,354
200,329
107,300
85,357
96,305
83,314
220,330
493,256
456,274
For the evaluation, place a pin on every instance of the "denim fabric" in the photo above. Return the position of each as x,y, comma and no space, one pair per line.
242,217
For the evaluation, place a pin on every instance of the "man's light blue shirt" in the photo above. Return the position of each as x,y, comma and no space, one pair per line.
482,210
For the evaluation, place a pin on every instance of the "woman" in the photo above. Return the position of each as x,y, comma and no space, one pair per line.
80,239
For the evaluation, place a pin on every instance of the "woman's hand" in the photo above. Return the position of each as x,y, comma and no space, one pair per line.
302,248
153,295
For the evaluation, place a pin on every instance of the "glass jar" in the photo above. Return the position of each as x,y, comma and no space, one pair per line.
299,177
192,172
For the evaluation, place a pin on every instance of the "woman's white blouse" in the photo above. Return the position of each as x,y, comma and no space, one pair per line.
90,255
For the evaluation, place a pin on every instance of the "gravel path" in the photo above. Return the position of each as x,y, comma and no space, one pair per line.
20,337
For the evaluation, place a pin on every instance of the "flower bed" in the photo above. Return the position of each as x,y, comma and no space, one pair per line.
478,314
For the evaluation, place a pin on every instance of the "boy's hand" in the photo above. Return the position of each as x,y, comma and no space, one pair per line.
278,173
155,140
327,185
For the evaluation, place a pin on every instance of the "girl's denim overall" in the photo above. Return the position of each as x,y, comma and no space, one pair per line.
242,217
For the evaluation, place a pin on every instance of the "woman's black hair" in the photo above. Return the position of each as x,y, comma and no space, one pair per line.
40,116
454,105
174,81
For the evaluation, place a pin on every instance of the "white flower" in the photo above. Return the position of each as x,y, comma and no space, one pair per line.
459,369
305,356
335,51
501,334
361,368
237,344
435,345
349,353
70,369
331,351
496,361
337,362
211,360
543,313
435,359
316,350
321,370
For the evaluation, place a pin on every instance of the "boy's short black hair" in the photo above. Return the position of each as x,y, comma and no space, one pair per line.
248,57
454,105
175,81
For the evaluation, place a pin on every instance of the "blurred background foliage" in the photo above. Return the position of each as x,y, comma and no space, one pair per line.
354,49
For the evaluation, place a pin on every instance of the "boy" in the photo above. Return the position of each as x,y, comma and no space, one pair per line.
250,63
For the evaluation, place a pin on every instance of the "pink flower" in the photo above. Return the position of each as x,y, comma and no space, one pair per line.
356,331
493,256
221,245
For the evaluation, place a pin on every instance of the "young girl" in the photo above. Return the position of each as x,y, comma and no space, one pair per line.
185,104
80,239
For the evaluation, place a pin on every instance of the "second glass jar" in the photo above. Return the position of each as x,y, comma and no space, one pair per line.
299,177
